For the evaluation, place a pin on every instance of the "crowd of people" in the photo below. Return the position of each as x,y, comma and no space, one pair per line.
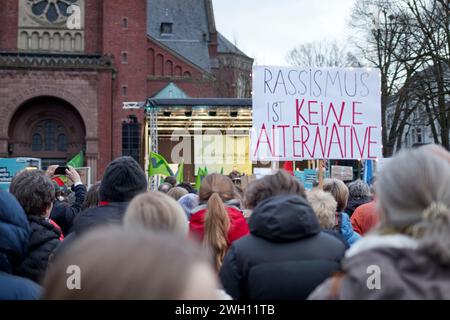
272,240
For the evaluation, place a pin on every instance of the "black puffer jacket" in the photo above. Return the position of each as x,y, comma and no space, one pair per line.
285,256
64,214
112,213
44,239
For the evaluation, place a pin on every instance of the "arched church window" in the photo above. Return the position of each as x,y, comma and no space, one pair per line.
49,135
36,144
62,142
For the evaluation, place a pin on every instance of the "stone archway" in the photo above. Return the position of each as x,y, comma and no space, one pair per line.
46,127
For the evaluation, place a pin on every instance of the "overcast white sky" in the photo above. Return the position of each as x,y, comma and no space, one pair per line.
268,29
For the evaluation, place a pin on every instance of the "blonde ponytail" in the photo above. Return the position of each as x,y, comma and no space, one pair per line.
433,232
217,224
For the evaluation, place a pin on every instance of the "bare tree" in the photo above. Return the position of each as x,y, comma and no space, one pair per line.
322,54
433,31
381,32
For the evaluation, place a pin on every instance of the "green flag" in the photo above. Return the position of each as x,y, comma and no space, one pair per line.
200,175
158,165
180,174
77,161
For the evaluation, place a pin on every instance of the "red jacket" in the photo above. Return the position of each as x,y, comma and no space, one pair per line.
364,218
238,224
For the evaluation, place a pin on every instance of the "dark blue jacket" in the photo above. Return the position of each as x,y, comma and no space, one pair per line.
17,288
14,235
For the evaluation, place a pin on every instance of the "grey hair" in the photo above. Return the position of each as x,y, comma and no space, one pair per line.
414,193
324,206
177,192
358,189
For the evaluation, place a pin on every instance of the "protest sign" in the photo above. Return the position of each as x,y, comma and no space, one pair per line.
344,173
315,113
300,175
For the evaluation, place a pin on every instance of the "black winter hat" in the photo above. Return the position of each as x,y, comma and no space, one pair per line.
123,179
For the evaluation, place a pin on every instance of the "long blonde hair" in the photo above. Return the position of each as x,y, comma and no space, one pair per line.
215,189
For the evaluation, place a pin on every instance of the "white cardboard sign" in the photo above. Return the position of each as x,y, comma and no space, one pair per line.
315,113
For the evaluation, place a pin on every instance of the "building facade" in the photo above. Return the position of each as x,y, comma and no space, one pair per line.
424,109
66,67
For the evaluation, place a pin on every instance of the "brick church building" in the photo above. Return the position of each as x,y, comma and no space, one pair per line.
62,87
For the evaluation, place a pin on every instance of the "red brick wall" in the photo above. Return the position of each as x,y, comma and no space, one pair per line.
93,24
149,68
116,39
104,122
8,22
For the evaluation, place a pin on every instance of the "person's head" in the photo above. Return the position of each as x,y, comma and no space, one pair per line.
58,191
358,189
122,181
119,264
14,233
34,191
92,197
156,211
234,174
324,206
171,180
177,192
218,184
187,186
339,191
271,185
215,190
413,197
188,202
165,187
